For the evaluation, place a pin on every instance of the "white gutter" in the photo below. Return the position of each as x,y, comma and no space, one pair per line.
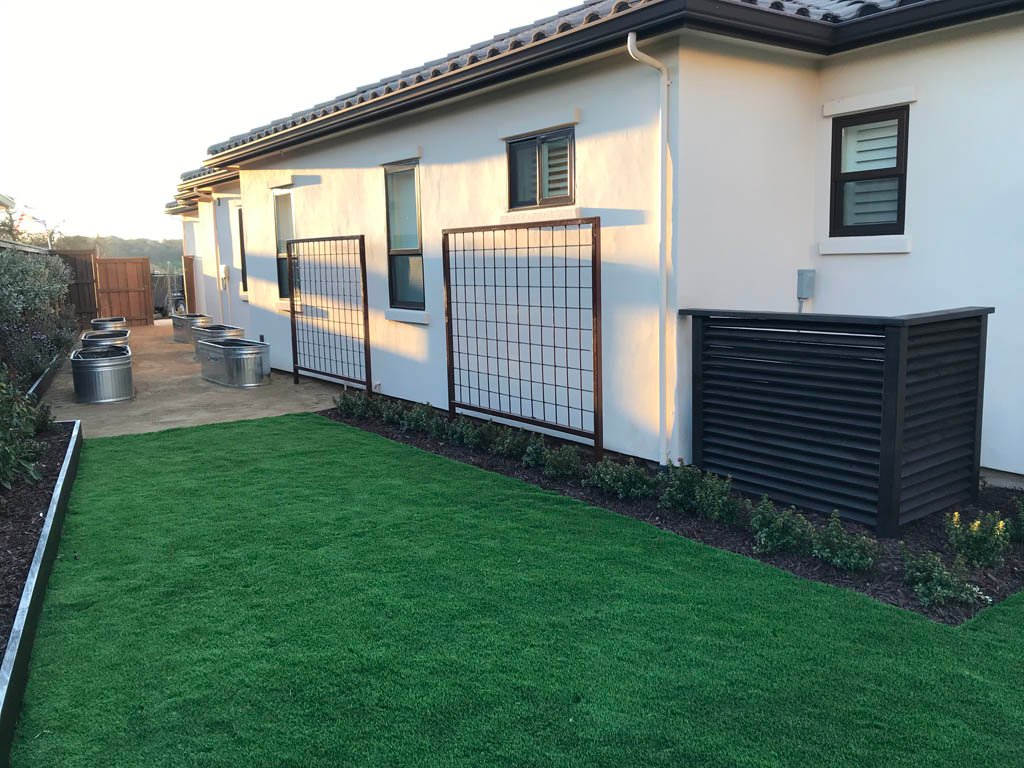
663,265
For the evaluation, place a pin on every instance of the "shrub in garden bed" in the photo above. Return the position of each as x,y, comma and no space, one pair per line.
983,542
623,481
680,489
21,419
562,463
935,584
36,322
785,531
845,551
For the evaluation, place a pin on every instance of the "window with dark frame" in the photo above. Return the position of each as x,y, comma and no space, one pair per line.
541,170
285,229
869,173
405,242
241,252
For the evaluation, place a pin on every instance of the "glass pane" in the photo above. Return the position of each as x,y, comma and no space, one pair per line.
554,165
407,279
283,221
875,201
402,223
522,166
283,288
870,146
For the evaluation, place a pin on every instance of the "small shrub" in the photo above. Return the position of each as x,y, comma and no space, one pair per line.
1017,529
421,418
536,453
511,443
785,531
484,437
356,405
20,421
461,431
934,584
391,411
680,489
983,542
562,463
713,500
623,481
845,551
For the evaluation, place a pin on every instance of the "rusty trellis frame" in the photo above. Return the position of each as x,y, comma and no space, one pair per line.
523,321
329,313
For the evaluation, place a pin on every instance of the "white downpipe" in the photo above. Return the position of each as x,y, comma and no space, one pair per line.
663,265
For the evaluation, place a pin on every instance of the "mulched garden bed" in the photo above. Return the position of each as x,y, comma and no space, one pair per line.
885,581
22,513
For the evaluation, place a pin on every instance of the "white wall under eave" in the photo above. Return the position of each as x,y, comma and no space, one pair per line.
338,189
744,167
965,192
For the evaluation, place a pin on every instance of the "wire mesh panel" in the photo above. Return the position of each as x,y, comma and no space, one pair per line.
330,326
523,313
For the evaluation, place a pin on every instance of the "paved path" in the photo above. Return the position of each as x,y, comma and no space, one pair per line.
169,392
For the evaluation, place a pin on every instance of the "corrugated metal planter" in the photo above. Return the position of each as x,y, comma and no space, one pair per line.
106,338
214,332
235,362
183,325
102,374
109,323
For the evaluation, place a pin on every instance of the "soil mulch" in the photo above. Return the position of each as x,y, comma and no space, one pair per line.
22,513
884,582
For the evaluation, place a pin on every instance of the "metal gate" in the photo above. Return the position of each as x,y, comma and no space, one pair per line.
330,324
523,317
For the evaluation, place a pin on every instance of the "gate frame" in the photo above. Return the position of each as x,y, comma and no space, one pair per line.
595,308
292,259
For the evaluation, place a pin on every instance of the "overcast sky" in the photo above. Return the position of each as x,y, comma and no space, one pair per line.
105,103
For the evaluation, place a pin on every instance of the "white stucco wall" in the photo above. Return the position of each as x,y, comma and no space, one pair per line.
965,196
339,189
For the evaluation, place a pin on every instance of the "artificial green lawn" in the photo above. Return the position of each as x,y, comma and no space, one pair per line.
295,592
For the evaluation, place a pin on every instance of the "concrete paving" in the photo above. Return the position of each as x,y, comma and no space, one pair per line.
169,392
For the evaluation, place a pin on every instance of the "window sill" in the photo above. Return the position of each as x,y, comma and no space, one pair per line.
283,305
841,246
244,296
411,316
541,213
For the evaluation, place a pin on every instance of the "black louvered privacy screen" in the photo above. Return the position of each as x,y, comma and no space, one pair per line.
878,418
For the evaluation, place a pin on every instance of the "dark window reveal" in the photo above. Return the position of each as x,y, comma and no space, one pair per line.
541,170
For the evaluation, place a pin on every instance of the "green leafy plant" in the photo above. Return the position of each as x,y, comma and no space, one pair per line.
713,500
623,481
1017,528
21,419
421,418
462,431
679,492
935,584
983,542
357,405
511,443
562,463
536,453
775,531
391,411
845,551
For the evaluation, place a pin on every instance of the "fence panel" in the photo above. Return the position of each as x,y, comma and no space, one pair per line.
523,318
82,290
330,320
124,289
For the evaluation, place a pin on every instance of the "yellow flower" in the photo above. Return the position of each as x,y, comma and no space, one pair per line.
975,526
956,519
1001,526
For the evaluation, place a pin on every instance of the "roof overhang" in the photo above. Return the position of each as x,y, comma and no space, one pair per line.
722,17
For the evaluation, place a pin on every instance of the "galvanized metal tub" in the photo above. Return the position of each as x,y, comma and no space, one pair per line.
102,374
109,323
215,331
117,338
183,325
235,362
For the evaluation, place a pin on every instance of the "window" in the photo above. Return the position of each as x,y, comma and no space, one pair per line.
285,231
541,170
869,173
241,251
405,249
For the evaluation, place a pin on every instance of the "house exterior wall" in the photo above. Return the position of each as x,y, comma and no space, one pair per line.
338,189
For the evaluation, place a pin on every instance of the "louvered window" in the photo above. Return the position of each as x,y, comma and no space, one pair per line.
540,170
869,173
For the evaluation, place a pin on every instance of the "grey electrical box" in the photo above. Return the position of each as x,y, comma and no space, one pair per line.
805,284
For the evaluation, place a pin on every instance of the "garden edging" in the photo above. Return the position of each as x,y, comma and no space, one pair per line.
45,379
14,670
